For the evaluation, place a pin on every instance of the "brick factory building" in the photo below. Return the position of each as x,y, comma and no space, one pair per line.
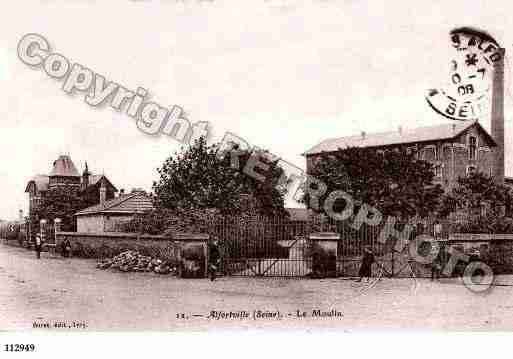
455,149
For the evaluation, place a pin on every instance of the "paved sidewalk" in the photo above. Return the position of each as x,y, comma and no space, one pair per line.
75,293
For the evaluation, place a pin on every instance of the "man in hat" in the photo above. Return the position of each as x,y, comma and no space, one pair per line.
366,266
214,258
39,246
436,267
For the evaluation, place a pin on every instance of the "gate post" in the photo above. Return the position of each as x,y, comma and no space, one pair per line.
193,255
42,230
324,254
392,264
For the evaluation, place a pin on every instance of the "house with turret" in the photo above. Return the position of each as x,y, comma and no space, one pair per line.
94,188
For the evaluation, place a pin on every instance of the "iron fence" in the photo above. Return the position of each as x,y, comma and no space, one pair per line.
280,247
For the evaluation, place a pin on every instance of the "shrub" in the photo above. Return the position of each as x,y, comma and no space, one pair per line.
169,221
487,224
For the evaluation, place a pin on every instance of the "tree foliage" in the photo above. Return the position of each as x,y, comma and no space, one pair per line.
395,182
477,190
198,178
490,223
60,202
168,221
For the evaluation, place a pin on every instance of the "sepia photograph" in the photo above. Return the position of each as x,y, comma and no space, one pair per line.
275,167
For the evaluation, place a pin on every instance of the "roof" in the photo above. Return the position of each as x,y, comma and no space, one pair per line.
132,203
422,134
65,167
94,179
41,182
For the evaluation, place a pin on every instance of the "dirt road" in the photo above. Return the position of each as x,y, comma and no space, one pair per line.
71,294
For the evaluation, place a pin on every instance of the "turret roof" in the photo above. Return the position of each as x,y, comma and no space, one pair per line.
64,167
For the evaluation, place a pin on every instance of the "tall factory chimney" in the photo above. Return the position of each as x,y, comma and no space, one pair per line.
497,118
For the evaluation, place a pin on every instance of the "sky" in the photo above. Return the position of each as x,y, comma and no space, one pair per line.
284,75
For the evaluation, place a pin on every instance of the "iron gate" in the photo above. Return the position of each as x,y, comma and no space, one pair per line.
273,247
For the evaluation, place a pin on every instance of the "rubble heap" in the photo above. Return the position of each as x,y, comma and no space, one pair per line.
133,261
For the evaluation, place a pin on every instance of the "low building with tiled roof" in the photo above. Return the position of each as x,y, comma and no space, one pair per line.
103,217
454,149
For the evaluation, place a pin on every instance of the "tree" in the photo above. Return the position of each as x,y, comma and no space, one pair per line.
59,202
198,178
168,221
475,191
395,182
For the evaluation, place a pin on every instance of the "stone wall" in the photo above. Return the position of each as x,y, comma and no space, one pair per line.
103,245
96,223
496,250
500,257
90,224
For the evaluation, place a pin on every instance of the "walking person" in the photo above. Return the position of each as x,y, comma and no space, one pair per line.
436,265
66,249
39,246
437,230
366,266
436,268
214,258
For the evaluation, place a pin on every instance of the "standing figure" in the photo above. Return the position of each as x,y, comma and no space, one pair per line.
436,267
214,258
437,230
66,249
39,246
366,266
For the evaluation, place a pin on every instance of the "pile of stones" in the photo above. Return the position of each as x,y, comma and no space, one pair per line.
133,261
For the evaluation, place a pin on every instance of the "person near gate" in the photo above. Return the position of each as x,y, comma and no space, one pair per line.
437,230
66,249
214,259
436,265
39,246
366,266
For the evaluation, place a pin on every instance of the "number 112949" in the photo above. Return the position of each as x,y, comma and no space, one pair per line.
19,347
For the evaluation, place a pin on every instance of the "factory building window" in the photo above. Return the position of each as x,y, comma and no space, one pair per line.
438,171
471,170
472,147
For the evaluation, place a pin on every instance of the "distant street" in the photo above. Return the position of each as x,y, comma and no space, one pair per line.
71,294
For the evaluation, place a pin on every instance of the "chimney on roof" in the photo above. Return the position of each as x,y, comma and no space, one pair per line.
497,117
453,127
121,191
20,214
400,130
85,177
103,193
363,135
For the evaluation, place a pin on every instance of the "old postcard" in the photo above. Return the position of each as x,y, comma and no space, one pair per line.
200,165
